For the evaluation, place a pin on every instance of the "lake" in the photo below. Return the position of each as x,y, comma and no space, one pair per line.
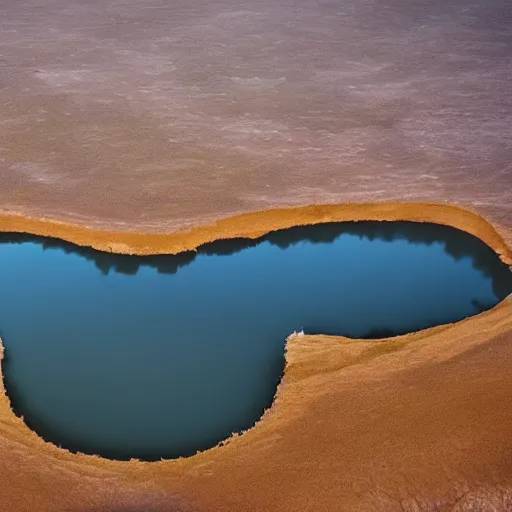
161,356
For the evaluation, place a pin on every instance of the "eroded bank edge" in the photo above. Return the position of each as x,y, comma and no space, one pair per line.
259,223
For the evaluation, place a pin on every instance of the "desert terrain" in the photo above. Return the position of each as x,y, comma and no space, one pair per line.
147,127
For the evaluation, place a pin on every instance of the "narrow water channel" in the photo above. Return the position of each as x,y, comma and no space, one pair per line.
161,356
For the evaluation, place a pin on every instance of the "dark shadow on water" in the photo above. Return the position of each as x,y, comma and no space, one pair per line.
458,244
227,247
375,333
106,262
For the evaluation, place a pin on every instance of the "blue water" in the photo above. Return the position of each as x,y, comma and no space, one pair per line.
163,356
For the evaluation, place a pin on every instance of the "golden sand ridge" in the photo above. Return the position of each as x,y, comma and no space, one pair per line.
256,224
416,422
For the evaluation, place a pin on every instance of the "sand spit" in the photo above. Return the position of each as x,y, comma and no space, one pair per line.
421,422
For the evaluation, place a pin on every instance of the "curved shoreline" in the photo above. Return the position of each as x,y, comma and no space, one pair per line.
251,225
256,224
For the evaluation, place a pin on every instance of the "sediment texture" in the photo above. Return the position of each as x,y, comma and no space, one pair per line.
161,117
123,123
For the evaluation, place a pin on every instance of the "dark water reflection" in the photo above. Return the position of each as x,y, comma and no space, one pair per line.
161,356
457,244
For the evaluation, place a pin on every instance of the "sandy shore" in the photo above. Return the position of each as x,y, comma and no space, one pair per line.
256,224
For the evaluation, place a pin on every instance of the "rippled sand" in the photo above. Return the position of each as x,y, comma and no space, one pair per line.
160,115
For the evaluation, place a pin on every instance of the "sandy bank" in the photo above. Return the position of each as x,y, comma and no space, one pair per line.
256,224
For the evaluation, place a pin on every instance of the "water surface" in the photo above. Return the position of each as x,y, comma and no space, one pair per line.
162,356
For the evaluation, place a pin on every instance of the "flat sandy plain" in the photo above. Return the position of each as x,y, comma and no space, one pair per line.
135,126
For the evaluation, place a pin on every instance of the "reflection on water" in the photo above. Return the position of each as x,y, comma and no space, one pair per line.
161,356
457,244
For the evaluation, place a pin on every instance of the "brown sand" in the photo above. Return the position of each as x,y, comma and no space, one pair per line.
256,224
174,114
417,422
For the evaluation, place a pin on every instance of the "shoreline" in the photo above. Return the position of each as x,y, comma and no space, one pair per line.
258,223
